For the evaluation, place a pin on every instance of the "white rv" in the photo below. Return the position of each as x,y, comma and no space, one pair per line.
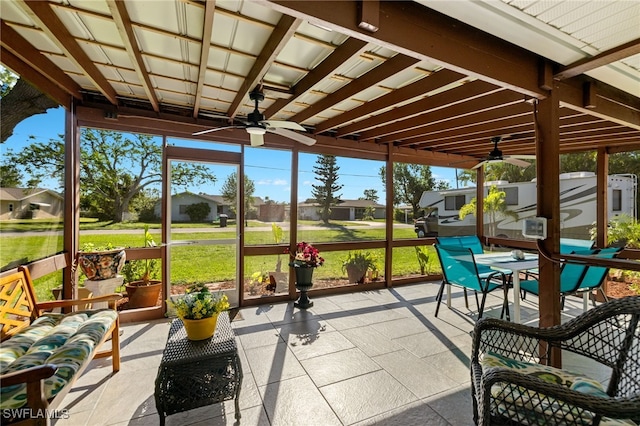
577,206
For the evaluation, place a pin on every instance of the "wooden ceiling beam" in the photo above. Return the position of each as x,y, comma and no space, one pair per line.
465,111
13,42
415,30
279,37
122,21
42,14
477,134
35,78
463,141
385,70
612,146
605,58
351,47
394,120
205,46
487,117
416,89
623,109
500,127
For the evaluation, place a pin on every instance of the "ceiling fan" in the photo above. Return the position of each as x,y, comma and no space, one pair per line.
257,126
496,156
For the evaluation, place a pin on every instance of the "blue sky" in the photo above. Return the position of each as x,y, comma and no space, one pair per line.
269,169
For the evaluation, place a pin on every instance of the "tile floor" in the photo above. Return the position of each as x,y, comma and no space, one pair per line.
371,358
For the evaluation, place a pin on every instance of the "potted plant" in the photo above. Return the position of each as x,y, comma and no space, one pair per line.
356,265
259,280
303,261
141,278
198,309
101,262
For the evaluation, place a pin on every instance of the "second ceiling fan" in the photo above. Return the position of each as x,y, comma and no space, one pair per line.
496,156
257,126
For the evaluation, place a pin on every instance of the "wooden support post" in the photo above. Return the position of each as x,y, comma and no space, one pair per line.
71,230
548,192
602,202
388,258
480,203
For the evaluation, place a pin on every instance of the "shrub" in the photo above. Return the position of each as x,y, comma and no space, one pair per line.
198,212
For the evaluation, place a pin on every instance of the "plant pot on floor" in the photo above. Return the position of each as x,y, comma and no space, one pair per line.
142,295
355,274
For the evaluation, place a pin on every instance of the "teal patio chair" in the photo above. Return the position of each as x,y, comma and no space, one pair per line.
459,268
473,243
594,277
571,276
567,246
466,241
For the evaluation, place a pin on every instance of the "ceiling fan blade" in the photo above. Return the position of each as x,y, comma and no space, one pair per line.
522,157
517,162
215,129
293,135
256,140
283,125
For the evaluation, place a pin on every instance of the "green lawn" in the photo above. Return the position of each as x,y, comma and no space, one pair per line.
207,263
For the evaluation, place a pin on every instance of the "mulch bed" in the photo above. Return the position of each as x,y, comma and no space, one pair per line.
615,290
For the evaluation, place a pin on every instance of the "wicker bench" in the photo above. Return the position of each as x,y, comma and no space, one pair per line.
42,354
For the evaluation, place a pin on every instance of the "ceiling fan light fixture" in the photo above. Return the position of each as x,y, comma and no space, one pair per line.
256,130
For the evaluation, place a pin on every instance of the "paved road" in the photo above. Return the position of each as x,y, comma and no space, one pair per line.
285,227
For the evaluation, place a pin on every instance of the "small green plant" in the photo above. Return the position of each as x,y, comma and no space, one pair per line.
357,263
144,270
423,258
91,247
278,237
257,282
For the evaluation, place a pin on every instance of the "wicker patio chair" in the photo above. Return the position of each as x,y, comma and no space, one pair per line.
511,386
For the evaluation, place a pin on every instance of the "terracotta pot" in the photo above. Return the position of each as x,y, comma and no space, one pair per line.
355,274
141,295
101,265
200,329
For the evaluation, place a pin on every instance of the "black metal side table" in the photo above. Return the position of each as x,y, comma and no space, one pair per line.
193,374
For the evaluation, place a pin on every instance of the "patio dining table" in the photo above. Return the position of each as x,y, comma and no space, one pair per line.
504,261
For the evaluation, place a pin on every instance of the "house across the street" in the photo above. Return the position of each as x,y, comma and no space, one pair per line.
30,203
345,210
180,202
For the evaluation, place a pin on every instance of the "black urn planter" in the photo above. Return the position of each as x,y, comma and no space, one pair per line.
304,277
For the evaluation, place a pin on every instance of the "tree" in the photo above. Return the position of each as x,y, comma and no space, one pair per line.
494,205
326,170
230,192
10,176
114,168
371,195
410,181
500,171
20,100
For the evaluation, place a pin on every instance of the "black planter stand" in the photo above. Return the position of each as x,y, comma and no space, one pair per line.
304,278
303,301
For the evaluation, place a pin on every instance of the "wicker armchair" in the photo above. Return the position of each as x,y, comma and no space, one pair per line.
511,386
